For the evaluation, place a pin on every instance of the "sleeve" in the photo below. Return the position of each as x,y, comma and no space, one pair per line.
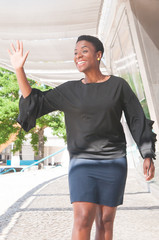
140,127
37,104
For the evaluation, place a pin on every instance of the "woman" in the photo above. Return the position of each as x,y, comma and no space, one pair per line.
93,107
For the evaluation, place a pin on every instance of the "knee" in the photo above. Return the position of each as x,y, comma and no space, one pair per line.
104,220
83,220
108,220
99,224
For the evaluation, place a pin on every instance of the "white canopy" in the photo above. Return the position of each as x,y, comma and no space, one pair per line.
48,29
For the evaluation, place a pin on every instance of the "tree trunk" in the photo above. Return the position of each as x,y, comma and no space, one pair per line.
40,147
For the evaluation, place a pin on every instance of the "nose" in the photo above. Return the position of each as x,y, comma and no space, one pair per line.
78,55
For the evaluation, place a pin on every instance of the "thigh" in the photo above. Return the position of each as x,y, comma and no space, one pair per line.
111,182
98,181
85,211
82,181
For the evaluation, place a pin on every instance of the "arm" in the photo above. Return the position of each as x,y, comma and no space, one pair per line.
18,59
34,103
141,129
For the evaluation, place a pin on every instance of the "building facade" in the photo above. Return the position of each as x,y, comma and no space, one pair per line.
129,31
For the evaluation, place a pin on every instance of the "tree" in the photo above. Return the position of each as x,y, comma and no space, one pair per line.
9,109
9,95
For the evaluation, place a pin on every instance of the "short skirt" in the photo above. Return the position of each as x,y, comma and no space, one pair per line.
98,181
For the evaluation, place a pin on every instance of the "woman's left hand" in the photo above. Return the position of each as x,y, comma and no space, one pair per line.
148,168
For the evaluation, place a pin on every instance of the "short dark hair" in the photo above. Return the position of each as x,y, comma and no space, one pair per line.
94,40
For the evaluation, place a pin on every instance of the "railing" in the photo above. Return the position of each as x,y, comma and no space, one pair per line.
43,159
8,170
35,163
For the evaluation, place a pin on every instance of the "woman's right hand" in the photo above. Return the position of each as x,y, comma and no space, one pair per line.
16,55
18,59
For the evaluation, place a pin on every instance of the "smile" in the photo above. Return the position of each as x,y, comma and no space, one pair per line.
81,62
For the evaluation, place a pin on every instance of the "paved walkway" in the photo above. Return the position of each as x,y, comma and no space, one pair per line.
45,212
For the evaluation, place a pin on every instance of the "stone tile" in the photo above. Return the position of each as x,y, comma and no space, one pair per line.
49,216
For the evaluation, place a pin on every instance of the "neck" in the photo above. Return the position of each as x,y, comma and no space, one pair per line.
93,77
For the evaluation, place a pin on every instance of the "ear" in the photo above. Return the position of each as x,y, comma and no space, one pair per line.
99,55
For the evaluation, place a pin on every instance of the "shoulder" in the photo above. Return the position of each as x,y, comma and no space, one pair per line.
118,80
121,83
123,87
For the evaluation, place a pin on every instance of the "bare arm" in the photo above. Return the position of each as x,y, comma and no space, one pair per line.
18,59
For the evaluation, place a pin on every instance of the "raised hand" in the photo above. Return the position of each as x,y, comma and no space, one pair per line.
16,55
18,59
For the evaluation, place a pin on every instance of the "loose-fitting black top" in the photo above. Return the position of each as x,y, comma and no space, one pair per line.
92,116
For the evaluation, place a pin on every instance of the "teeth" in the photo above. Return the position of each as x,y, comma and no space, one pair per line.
81,62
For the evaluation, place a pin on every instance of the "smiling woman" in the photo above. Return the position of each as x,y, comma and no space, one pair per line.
93,107
88,54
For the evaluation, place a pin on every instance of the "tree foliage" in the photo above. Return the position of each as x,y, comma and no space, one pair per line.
9,109
9,95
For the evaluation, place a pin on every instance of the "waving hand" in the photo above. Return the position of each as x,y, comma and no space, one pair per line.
17,60
16,55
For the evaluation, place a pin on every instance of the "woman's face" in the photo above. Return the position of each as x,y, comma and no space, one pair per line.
85,56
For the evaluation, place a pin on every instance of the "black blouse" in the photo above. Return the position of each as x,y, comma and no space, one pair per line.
92,116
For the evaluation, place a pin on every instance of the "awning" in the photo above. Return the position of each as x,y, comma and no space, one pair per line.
49,30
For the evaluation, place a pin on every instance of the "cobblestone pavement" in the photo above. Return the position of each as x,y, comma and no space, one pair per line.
47,214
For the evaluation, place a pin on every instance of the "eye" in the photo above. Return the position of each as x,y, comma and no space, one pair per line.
75,53
85,51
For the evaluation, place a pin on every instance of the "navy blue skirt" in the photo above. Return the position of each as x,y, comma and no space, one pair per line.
98,181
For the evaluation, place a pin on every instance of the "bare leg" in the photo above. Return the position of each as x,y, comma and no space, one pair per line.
104,222
84,215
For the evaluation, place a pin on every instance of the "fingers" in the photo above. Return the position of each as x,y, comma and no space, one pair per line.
16,55
9,52
13,48
151,172
145,170
19,48
26,55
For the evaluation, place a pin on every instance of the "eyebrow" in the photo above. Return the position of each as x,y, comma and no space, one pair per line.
81,47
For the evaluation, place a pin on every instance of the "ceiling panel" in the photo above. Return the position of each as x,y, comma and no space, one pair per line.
49,30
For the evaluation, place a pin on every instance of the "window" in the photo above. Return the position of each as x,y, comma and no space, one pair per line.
124,62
